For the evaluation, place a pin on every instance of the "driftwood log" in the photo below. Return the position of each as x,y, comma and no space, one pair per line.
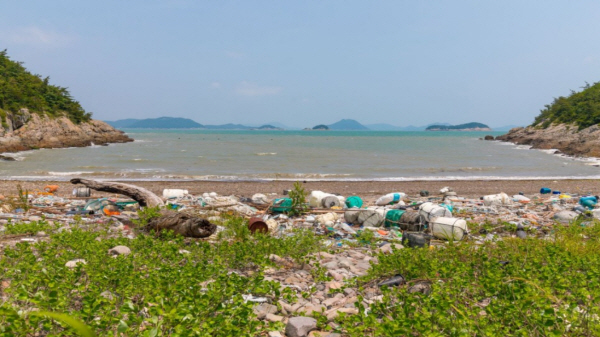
144,197
182,223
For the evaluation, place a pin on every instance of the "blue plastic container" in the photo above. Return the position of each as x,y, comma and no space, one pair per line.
556,192
545,190
588,202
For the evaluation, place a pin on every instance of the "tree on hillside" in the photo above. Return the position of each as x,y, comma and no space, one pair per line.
21,89
579,108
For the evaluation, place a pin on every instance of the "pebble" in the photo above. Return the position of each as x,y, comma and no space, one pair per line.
274,318
108,295
300,326
334,285
74,263
263,309
119,250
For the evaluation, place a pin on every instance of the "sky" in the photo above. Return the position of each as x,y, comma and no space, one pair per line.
302,63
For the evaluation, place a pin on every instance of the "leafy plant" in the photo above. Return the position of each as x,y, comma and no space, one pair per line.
21,200
146,214
30,228
298,196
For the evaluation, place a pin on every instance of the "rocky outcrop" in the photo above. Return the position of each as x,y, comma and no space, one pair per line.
565,138
25,131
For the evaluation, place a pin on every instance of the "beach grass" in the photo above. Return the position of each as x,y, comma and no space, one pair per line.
172,286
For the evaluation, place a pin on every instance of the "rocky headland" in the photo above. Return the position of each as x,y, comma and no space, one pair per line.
567,139
26,131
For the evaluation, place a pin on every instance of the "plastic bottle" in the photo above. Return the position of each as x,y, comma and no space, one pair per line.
520,198
390,198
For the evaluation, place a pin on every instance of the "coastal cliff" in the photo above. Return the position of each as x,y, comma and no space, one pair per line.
569,124
26,131
568,139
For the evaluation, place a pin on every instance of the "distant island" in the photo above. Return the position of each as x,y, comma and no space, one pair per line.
342,125
320,127
347,124
180,123
461,127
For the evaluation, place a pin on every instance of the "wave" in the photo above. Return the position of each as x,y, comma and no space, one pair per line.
456,169
132,176
266,154
70,173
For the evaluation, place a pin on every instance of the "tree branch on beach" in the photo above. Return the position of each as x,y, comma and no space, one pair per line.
143,196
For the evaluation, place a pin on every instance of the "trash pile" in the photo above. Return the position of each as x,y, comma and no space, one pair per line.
355,229
421,220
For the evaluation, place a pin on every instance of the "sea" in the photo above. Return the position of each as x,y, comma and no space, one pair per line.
223,155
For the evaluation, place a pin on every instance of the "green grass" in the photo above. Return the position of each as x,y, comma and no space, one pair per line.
550,287
157,291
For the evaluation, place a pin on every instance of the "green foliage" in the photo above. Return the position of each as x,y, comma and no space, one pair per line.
366,237
82,329
146,214
298,196
512,287
155,291
21,200
21,89
30,228
579,108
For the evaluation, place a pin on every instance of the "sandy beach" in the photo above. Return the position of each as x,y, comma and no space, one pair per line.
365,189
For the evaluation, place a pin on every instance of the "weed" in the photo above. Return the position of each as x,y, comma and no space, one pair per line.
298,196
146,214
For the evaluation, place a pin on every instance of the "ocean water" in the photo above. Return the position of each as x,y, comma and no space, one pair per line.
299,155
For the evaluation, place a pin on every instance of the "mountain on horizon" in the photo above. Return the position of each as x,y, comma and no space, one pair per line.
347,124
505,127
181,123
156,123
390,127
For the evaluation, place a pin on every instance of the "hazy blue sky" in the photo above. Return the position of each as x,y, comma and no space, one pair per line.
303,63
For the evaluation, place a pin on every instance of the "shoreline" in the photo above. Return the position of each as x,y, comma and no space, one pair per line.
364,189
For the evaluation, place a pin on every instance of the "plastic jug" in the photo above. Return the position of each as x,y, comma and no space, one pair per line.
354,202
448,228
588,202
430,210
496,199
